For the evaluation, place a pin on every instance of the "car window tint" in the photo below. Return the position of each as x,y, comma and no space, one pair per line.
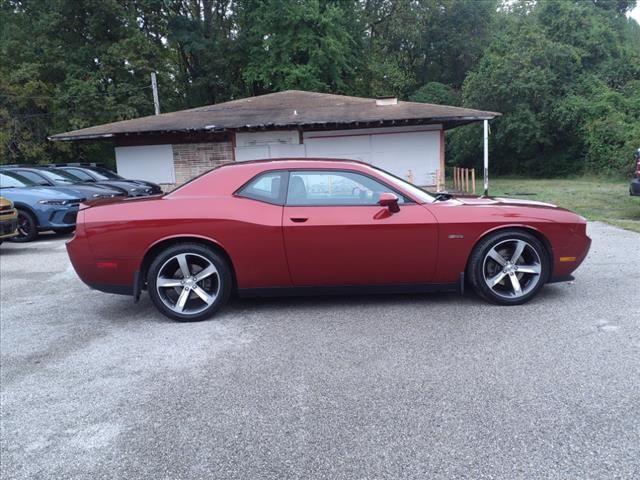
335,188
80,174
34,177
60,176
12,179
266,187
104,174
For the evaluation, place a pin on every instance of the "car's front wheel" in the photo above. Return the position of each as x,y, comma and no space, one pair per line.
189,282
509,267
27,227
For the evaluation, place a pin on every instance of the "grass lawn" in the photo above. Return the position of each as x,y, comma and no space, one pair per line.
604,200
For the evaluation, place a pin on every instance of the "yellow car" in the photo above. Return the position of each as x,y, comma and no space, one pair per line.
8,219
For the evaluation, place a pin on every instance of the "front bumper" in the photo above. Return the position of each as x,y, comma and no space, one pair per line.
58,217
634,187
9,227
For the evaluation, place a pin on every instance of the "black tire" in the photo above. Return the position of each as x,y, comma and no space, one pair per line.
64,231
482,268
220,282
27,227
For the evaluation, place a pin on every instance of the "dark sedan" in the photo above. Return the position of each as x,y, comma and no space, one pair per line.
103,176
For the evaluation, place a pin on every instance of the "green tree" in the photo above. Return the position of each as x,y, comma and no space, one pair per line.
307,45
71,64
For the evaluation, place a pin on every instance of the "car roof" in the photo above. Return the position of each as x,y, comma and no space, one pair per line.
299,162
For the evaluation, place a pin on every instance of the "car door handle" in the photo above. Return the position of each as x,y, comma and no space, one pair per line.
299,219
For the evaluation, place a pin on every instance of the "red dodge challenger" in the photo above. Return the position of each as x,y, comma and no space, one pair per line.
310,226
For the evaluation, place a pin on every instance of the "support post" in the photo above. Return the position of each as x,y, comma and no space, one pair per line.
486,157
473,180
154,87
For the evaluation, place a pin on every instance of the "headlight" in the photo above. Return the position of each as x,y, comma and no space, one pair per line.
58,202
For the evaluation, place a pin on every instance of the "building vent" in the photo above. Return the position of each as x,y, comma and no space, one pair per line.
383,101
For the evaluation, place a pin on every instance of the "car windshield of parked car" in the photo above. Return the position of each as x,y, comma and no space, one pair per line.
104,174
81,174
335,188
60,176
14,180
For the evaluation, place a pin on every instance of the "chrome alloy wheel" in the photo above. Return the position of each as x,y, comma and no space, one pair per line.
512,268
188,283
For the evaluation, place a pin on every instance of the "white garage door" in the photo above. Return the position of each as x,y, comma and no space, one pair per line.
405,152
153,163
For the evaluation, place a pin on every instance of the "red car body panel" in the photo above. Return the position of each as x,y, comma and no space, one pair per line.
423,243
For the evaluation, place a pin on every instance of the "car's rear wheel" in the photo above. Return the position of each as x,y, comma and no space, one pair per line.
509,267
189,282
27,227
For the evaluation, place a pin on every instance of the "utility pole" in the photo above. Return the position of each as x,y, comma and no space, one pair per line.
154,86
486,158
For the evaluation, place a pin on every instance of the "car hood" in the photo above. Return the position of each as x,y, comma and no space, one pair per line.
506,202
125,185
89,191
33,194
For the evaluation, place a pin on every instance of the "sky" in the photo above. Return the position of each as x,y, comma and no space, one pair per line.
635,13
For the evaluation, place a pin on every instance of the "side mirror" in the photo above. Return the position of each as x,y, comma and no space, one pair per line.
389,200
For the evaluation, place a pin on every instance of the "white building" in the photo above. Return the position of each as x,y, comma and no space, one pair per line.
404,138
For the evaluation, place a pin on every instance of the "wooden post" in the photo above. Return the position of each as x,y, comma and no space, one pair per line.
473,180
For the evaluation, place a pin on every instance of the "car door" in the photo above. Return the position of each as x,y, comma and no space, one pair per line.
336,233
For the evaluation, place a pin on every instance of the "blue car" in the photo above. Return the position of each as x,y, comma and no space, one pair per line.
39,209
48,177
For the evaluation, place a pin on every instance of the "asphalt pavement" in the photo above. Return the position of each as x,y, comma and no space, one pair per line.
432,386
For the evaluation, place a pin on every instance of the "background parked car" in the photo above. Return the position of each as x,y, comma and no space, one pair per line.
47,177
93,173
38,208
634,188
8,219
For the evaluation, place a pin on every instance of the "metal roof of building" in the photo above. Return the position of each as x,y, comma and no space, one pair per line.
288,109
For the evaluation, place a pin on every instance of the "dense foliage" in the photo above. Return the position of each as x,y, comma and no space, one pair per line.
564,73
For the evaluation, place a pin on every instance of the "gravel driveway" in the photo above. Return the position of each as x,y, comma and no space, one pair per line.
415,386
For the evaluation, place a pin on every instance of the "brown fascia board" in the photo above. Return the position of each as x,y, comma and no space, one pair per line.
447,122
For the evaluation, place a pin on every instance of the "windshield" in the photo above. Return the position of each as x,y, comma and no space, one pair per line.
60,176
104,173
10,180
421,195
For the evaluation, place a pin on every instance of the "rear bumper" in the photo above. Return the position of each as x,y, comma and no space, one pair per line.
107,275
634,187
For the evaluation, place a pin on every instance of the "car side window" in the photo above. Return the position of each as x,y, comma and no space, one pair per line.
34,177
266,187
335,188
